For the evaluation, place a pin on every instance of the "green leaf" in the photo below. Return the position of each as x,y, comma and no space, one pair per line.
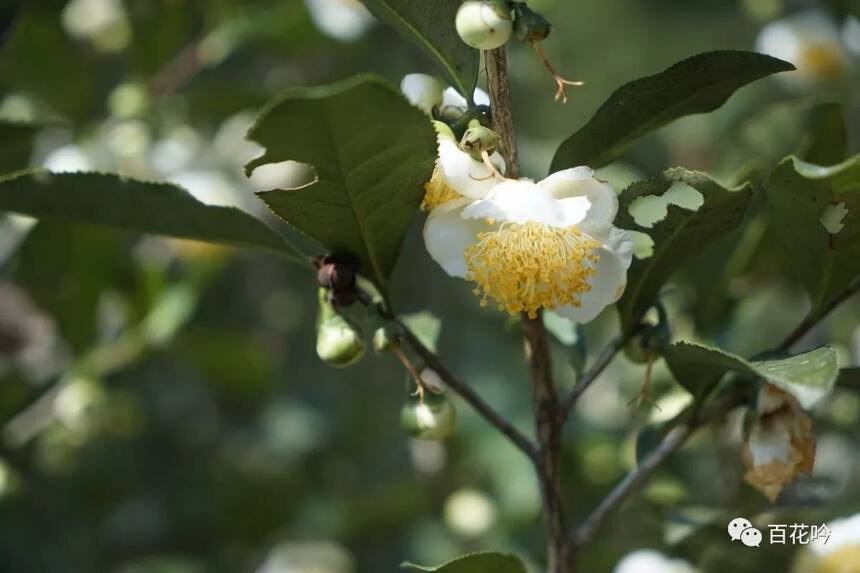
372,152
680,235
800,196
808,376
426,327
476,563
16,145
698,84
157,208
430,24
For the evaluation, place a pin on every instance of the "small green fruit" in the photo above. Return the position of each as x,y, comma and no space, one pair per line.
338,343
484,24
432,419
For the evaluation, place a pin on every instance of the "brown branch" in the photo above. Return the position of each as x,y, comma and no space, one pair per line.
470,396
548,418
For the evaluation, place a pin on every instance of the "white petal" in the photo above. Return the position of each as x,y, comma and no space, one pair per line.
422,91
518,201
481,97
447,234
453,104
571,185
465,175
607,285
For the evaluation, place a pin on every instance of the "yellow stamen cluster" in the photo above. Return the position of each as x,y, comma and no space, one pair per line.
824,60
437,192
529,266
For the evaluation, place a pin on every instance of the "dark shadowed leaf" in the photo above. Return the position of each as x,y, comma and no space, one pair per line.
16,145
808,376
698,84
849,378
679,236
803,198
372,152
827,136
476,563
157,208
430,24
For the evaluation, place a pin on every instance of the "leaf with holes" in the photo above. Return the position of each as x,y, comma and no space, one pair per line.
808,376
430,24
698,84
476,563
158,208
679,236
815,215
372,153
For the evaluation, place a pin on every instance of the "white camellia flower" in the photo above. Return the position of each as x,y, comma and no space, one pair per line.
650,561
811,41
838,552
534,245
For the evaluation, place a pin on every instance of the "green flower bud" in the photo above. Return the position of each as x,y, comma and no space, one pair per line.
339,343
385,339
529,26
431,419
484,24
478,139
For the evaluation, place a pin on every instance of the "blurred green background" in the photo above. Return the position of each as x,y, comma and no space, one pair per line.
161,405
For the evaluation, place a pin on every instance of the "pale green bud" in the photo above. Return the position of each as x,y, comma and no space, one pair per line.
478,138
339,343
432,418
484,24
385,339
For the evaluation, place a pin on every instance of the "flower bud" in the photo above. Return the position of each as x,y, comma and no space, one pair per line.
478,138
338,276
422,91
430,418
484,24
529,26
339,343
385,339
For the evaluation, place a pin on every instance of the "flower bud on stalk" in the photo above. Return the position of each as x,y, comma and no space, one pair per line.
479,139
484,24
339,343
529,26
428,417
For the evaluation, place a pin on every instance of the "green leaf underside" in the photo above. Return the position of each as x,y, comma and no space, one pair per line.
698,84
430,24
16,145
476,563
679,237
798,194
808,376
146,207
372,152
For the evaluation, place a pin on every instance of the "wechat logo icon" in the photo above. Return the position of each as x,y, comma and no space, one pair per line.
742,529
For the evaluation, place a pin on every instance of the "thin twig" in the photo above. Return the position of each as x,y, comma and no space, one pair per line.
469,395
596,369
674,439
810,321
